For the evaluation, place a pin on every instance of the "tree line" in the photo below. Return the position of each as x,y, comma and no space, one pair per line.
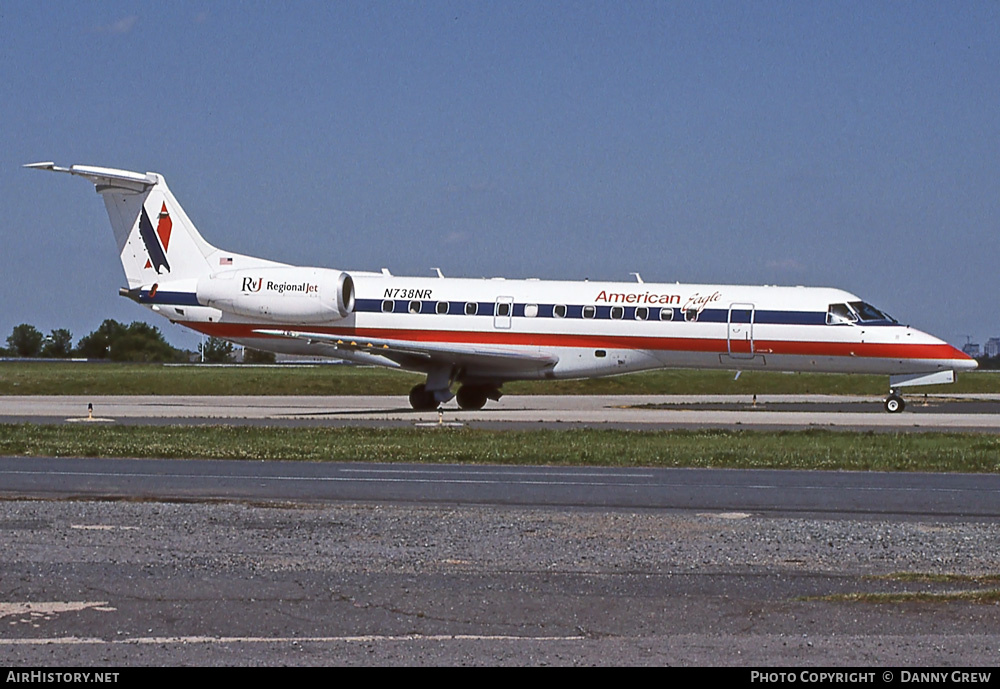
114,341
989,362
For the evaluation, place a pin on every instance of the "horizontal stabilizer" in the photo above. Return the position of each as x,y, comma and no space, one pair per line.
103,176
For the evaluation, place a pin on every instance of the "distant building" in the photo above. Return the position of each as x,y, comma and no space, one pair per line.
971,348
992,348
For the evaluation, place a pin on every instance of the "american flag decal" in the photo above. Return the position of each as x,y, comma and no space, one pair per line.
225,261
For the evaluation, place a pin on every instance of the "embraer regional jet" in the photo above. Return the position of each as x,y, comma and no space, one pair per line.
480,333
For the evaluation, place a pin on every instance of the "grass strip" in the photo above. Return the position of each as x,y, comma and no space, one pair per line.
809,449
985,597
931,578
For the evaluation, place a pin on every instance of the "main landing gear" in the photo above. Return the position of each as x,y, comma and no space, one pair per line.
473,397
469,397
422,399
894,403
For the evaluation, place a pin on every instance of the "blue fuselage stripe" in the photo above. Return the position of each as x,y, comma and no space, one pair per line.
581,311
572,311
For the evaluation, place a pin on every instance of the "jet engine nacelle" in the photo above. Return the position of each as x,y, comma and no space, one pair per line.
281,294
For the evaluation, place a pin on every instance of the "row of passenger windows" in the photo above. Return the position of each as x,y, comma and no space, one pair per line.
471,308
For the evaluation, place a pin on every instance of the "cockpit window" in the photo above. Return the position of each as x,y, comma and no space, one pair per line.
840,313
854,312
868,313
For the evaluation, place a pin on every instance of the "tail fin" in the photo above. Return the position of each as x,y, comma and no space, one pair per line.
156,239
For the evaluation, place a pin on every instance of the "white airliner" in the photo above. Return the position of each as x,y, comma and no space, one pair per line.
480,333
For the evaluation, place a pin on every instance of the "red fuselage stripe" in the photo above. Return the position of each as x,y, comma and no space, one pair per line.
678,344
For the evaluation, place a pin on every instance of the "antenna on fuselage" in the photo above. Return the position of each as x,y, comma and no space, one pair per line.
638,278
438,271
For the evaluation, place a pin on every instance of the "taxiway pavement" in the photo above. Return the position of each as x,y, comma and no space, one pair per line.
979,413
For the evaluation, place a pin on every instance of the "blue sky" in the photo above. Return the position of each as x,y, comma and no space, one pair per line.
853,145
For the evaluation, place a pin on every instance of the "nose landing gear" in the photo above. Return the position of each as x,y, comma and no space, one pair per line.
894,403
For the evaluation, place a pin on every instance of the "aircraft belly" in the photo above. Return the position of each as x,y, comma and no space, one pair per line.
576,362
848,364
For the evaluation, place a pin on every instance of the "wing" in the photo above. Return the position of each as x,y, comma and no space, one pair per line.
424,355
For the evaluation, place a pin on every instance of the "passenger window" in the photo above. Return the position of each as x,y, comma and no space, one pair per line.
666,314
617,312
691,315
642,313
442,307
387,306
415,307
530,310
471,308
589,311
559,311
503,308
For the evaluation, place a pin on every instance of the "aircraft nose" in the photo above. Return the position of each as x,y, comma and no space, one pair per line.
966,364
962,361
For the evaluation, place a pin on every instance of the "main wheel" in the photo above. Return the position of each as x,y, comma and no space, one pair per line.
422,399
894,404
471,397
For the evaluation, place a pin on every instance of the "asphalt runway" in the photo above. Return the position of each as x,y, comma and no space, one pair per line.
836,494
972,413
156,562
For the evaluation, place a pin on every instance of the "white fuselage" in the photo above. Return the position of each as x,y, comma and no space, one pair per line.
482,333
604,328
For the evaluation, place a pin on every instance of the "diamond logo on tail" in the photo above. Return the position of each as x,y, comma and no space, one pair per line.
156,241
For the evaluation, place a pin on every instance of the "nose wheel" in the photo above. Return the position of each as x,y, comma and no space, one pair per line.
894,403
